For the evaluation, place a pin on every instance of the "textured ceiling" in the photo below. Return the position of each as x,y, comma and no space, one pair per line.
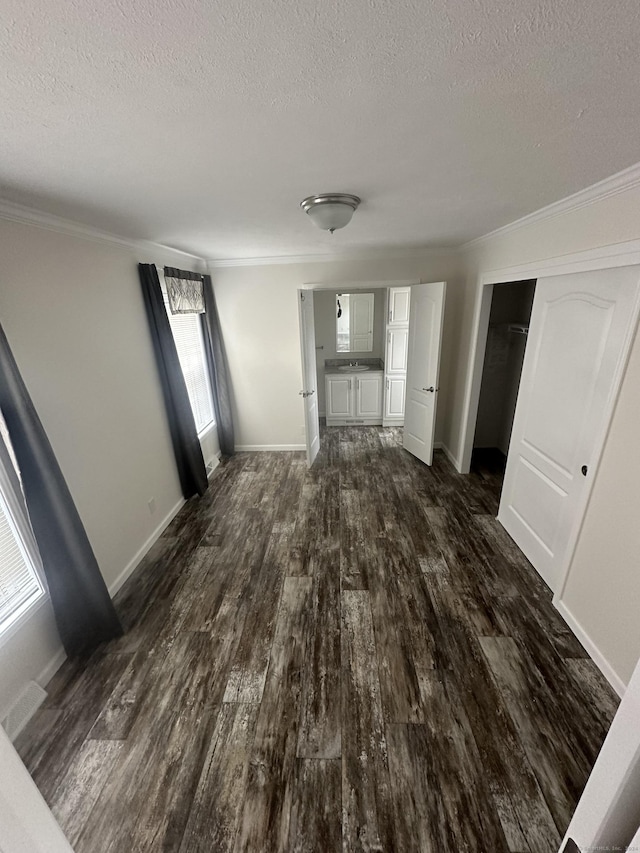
203,124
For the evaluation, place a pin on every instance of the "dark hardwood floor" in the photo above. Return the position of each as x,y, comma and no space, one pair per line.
350,658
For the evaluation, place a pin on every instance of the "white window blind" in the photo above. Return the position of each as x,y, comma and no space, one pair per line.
19,583
187,334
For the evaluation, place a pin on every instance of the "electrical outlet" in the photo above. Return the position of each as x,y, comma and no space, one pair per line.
152,506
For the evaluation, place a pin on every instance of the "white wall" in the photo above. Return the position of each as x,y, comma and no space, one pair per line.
603,588
73,313
324,312
259,317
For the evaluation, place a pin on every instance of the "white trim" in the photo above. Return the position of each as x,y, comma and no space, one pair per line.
214,462
132,565
440,445
479,334
60,656
208,428
267,447
25,615
346,255
356,285
613,185
590,647
50,222
51,668
604,257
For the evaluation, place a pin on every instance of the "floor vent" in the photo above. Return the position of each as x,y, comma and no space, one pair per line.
23,709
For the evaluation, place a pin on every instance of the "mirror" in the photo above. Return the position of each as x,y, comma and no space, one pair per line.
354,322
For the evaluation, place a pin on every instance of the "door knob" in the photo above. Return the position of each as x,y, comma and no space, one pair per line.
306,393
430,388
584,470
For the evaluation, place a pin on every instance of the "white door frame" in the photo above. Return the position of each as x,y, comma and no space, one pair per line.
606,257
305,391
344,286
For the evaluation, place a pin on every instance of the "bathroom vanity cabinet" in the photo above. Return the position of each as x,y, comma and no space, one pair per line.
354,398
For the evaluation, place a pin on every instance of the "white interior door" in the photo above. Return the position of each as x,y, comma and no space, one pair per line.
26,824
578,336
423,368
607,816
310,391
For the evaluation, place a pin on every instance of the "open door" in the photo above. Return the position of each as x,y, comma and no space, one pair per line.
607,816
309,392
580,330
423,368
26,824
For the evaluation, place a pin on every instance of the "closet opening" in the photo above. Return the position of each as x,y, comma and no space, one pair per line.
507,336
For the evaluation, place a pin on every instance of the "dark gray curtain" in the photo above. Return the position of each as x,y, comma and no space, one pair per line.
83,609
218,370
186,445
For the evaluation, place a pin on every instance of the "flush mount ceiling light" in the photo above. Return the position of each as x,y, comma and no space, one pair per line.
330,211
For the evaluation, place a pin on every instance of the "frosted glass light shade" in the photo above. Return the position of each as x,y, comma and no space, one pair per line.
331,210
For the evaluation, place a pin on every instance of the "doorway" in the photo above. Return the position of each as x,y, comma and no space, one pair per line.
507,335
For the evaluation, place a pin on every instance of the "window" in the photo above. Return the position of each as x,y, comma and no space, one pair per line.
187,333
20,585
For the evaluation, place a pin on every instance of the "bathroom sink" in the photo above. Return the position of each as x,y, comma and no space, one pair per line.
355,368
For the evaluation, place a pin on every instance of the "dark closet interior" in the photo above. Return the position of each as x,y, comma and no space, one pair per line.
504,355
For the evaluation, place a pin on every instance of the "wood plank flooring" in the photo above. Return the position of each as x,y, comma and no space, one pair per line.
353,658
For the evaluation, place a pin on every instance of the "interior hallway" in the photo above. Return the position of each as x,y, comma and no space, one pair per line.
354,657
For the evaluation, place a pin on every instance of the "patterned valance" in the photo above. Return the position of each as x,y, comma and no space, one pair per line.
184,290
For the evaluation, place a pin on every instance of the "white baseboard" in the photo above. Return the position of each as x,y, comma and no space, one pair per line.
590,647
440,445
271,446
60,656
213,463
145,547
51,668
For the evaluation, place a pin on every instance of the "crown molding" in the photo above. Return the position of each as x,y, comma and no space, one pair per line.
51,222
618,183
346,255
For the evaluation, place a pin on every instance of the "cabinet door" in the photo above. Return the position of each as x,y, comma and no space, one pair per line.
339,397
369,396
399,299
394,397
397,348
